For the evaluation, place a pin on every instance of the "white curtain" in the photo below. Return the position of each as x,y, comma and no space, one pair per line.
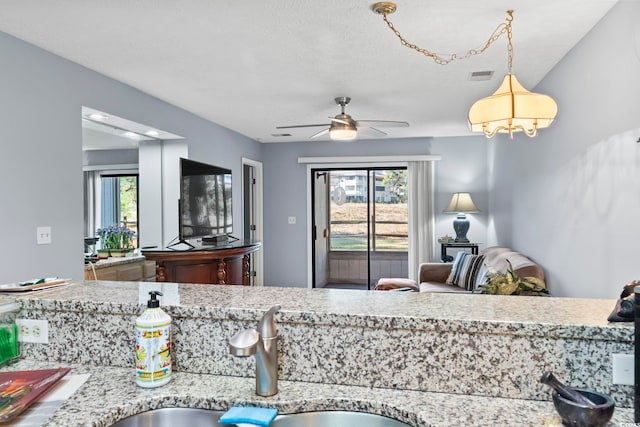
420,177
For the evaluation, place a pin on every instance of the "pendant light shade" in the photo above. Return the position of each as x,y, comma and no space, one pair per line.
511,109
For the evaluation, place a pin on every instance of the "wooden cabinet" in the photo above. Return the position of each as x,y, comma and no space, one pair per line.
225,265
133,270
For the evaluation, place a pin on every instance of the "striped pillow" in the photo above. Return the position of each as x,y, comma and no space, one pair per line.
455,268
465,272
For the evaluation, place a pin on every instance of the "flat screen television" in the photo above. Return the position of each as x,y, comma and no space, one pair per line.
205,201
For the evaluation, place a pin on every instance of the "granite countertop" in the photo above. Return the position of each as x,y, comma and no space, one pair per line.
515,315
111,261
110,394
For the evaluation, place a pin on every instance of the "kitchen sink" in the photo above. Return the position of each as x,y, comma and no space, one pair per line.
335,419
170,417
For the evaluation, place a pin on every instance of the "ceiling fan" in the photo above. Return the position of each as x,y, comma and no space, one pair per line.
344,127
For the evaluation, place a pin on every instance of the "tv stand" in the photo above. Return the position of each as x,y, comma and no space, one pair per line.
221,265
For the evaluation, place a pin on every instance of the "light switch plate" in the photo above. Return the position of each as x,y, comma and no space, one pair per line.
43,235
623,370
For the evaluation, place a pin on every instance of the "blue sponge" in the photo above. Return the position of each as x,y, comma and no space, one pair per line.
250,415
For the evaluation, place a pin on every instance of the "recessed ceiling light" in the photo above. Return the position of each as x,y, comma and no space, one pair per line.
131,135
477,76
96,116
153,133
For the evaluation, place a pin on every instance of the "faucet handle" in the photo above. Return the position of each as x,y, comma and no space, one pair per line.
267,324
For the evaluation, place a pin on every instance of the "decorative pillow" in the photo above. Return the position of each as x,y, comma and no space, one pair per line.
483,275
455,268
469,273
464,272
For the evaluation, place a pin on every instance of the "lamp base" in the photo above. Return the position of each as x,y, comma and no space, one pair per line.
461,226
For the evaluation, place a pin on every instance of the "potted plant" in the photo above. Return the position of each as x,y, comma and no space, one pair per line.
510,283
116,240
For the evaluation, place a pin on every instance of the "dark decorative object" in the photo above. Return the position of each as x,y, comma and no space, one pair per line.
576,414
567,392
579,407
624,309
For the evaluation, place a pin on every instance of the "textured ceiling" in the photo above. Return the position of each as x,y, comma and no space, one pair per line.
256,64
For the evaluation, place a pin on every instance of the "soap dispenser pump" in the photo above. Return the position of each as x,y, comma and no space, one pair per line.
153,345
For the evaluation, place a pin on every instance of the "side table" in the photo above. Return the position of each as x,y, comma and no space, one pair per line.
457,245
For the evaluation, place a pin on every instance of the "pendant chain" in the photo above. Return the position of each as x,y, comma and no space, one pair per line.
502,28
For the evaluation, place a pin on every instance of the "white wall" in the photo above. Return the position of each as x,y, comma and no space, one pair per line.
575,189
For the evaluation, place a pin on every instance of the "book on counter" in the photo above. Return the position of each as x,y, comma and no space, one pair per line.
21,389
33,285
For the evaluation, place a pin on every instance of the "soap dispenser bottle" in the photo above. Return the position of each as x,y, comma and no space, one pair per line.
153,345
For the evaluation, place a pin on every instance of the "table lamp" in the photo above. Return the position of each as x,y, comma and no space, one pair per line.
461,204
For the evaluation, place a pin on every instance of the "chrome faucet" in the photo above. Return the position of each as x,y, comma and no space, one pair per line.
263,343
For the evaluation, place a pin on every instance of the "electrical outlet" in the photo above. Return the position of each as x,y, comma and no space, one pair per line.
292,220
623,369
33,330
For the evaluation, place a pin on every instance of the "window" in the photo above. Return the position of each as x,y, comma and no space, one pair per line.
349,225
119,202
110,198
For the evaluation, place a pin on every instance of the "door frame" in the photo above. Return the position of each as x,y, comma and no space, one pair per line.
257,257
348,161
311,167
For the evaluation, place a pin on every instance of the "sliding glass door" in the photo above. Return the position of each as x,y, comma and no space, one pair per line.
359,227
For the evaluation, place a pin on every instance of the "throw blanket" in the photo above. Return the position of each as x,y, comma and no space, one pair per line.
396,284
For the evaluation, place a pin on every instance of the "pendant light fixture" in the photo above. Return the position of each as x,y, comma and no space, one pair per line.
512,108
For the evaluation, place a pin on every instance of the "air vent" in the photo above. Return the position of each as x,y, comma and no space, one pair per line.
280,134
477,76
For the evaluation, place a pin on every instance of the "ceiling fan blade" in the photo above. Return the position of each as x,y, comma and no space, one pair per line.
382,123
377,130
301,126
322,132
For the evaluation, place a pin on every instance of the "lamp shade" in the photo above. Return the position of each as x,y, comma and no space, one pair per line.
511,109
461,203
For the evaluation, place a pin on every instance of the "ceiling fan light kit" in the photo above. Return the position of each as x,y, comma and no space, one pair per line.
511,108
344,128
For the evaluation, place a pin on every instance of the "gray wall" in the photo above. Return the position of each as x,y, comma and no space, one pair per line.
41,161
463,168
575,189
